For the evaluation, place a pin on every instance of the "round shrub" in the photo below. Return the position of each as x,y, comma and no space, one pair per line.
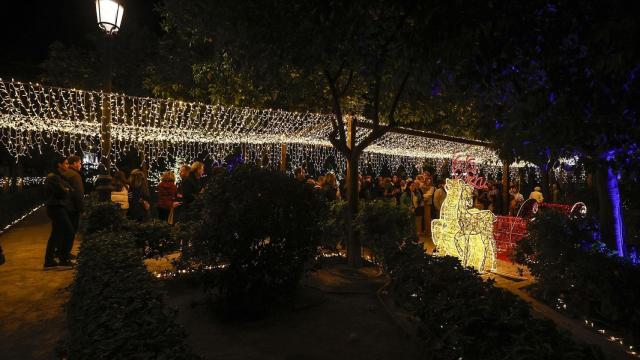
385,228
576,271
103,216
260,227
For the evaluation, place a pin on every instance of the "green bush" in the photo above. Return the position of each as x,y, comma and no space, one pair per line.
335,227
115,311
103,216
155,237
460,315
577,274
263,227
384,228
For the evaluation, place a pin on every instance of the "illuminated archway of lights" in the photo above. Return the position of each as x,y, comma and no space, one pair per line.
33,116
462,231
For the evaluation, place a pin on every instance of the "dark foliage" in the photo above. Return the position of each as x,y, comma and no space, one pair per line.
577,274
115,311
384,228
334,230
103,216
460,315
15,204
262,227
154,237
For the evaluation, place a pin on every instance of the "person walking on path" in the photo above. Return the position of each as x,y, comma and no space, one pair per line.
58,190
192,185
120,192
73,177
167,192
412,199
138,197
438,198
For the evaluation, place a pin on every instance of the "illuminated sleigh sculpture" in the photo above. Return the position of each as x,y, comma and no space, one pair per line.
508,230
463,231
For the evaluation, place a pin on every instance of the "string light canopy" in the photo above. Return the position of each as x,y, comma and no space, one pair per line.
109,14
33,116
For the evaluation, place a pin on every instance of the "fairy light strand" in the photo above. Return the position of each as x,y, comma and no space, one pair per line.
33,116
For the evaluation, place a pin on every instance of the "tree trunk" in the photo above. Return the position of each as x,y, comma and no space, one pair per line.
610,208
544,182
283,157
505,187
354,247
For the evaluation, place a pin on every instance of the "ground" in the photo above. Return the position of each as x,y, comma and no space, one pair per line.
338,315
31,300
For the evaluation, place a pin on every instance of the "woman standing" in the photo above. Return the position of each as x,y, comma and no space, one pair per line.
138,196
412,199
58,203
166,195
120,192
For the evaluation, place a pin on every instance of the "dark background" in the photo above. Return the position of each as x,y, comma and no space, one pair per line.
28,27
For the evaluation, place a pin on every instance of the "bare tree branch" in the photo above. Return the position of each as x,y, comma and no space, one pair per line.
377,132
344,89
341,146
376,98
338,122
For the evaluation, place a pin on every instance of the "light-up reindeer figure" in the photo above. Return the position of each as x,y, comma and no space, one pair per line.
463,231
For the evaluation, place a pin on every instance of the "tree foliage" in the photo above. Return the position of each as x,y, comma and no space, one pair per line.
568,86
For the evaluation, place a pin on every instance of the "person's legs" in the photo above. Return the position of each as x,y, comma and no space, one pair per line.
418,224
53,243
74,218
163,214
66,234
427,221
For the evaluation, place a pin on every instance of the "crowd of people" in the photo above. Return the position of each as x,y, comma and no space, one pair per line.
64,191
422,195
133,194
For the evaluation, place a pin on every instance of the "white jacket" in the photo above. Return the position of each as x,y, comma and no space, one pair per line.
121,197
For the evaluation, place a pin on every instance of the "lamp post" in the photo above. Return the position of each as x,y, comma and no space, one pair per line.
109,16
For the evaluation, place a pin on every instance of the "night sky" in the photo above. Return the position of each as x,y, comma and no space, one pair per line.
28,27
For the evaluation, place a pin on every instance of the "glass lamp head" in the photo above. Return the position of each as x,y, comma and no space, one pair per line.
109,14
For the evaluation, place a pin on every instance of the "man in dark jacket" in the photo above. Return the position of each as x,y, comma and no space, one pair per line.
58,203
72,176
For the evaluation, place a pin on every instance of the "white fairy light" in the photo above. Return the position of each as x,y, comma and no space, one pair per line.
462,231
16,221
33,116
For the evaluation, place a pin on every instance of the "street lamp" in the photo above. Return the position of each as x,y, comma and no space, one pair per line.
109,16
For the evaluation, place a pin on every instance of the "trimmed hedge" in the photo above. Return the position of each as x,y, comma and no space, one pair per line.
460,315
578,274
260,228
115,311
154,237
